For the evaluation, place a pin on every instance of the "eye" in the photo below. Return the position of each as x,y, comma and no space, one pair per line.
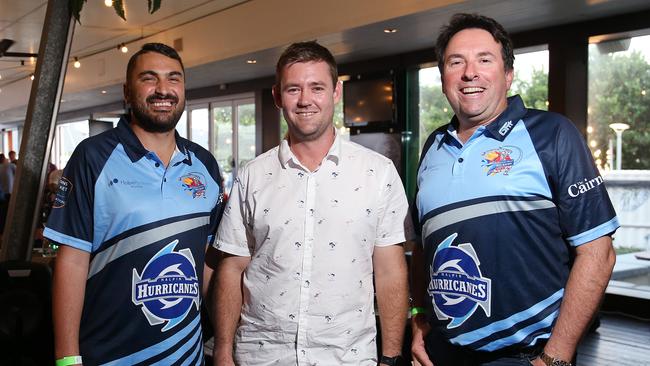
292,90
318,89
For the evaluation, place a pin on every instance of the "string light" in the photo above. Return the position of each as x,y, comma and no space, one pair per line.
76,64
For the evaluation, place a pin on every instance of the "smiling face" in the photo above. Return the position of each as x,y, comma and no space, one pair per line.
474,78
307,97
156,92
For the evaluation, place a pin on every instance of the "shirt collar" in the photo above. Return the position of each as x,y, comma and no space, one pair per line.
134,148
498,129
286,155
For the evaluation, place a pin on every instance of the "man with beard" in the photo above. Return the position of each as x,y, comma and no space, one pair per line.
134,212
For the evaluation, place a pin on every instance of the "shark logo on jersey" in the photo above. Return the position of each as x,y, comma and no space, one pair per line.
457,286
168,287
500,160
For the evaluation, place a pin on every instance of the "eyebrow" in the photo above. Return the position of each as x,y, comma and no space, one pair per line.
480,54
153,73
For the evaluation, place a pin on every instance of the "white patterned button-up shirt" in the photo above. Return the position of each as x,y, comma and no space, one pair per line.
308,289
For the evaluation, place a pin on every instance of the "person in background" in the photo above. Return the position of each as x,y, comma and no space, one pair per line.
514,217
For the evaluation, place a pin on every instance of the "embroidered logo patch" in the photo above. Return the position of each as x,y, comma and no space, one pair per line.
62,194
193,183
168,287
457,286
500,160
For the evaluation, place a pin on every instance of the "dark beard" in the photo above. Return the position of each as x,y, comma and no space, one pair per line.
157,124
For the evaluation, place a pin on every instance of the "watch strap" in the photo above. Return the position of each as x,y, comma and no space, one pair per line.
552,361
391,361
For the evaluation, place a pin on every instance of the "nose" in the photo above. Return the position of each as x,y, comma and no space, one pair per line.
162,87
305,98
470,72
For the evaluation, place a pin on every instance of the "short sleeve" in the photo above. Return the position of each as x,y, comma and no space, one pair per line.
395,225
585,210
71,219
232,234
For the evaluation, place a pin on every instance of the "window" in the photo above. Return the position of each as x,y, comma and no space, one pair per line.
230,135
619,138
66,138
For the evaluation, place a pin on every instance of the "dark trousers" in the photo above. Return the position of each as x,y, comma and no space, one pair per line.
443,353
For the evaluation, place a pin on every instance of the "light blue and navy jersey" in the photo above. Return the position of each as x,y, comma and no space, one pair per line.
146,227
499,216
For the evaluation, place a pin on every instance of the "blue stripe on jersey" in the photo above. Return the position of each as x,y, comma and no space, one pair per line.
197,353
521,334
163,346
595,233
67,239
498,326
180,351
143,239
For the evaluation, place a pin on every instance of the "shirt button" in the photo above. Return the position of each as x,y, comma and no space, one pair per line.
306,284
164,179
157,165
460,160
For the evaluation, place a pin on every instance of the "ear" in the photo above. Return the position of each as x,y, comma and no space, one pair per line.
125,92
510,74
277,96
338,91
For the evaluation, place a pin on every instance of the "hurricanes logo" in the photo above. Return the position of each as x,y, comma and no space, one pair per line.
193,184
457,286
168,287
500,160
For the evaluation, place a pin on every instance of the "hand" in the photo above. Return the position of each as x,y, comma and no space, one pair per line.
420,329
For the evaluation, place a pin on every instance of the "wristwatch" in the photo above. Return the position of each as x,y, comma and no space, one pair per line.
392,361
552,361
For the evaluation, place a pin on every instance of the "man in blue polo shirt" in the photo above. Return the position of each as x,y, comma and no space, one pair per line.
515,221
135,209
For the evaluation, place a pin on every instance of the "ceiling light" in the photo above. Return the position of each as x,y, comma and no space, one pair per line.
103,91
108,3
251,61
31,76
77,64
0,77
390,30
122,47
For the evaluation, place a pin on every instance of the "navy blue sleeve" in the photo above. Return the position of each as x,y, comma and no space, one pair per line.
585,210
213,168
71,220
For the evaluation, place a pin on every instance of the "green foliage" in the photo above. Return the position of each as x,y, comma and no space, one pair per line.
533,92
118,5
617,94
434,110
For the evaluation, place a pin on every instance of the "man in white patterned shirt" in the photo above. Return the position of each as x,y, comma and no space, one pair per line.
306,225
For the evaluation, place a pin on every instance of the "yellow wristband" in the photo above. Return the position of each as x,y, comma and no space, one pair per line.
415,311
68,360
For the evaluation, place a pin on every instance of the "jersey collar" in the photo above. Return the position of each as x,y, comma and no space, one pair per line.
498,129
134,148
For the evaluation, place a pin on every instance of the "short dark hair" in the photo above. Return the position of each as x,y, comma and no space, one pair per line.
160,48
306,52
463,21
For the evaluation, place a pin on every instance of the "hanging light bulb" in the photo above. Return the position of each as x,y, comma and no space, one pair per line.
123,48
77,64
108,3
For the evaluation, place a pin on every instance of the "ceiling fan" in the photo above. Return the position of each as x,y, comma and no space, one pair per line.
4,46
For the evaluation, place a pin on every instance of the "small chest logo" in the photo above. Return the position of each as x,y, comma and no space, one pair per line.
457,286
193,184
168,287
500,160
